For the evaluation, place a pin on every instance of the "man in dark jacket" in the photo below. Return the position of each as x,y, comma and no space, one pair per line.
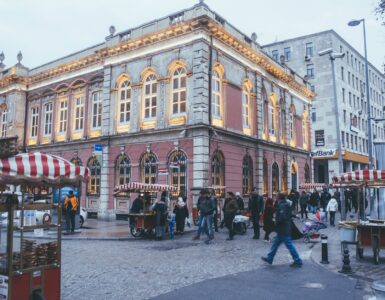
314,201
325,198
255,208
303,201
283,229
206,207
137,207
230,211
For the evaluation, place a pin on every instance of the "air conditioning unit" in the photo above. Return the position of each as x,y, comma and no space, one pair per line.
307,58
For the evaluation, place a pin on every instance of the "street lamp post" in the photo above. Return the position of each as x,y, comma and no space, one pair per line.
332,57
370,141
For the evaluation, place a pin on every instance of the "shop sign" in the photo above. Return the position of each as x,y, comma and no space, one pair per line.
319,138
324,153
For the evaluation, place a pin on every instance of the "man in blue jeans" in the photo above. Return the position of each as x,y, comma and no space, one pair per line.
283,229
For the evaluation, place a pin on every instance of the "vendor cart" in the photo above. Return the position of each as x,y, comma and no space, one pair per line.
370,233
30,261
142,224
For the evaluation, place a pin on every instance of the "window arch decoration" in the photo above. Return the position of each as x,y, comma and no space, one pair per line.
273,117
265,184
178,85
149,97
218,171
122,169
217,101
246,106
124,100
274,178
282,120
247,175
265,113
149,167
305,129
284,178
3,120
177,168
292,126
93,185
307,173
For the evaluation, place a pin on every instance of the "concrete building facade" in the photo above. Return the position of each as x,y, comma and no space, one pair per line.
301,55
186,100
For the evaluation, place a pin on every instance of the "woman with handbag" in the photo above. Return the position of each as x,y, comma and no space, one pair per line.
268,223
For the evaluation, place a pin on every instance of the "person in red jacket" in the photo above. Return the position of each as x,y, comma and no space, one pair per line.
71,204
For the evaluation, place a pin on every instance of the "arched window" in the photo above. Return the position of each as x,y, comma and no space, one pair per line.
4,123
284,178
149,167
150,97
292,125
265,112
282,120
179,91
93,186
247,175
218,171
265,186
246,107
122,169
124,102
304,129
216,95
178,170
271,118
274,178
307,173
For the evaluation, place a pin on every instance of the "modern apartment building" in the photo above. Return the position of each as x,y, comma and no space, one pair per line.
186,100
301,55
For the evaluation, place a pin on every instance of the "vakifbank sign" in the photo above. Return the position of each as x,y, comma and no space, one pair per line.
324,153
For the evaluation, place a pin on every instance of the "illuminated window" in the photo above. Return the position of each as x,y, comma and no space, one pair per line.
218,171
247,175
34,121
4,121
304,130
216,95
265,114
48,118
271,118
178,170
122,169
149,168
97,109
124,102
179,91
63,115
150,97
79,113
245,108
93,186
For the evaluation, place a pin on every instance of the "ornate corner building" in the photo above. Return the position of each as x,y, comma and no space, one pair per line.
186,100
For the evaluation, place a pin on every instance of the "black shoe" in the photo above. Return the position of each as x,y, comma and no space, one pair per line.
266,260
296,265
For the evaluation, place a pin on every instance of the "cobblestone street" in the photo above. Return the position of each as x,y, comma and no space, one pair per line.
140,269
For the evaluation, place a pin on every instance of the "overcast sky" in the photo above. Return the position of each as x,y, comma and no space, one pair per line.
45,30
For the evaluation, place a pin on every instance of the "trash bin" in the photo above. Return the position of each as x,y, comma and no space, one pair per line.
379,289
347,231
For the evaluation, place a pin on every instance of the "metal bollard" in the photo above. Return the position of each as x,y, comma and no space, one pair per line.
324,242
346,268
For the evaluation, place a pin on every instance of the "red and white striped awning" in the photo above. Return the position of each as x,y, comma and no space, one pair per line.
38,168
361,177
145,187
312,186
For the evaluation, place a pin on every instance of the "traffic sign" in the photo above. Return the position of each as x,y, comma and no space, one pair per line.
98,148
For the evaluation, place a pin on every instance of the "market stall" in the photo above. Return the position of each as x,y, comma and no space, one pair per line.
142,220
31,269
370,233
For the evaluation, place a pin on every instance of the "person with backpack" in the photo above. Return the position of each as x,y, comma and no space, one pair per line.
283,229
256,209
71,204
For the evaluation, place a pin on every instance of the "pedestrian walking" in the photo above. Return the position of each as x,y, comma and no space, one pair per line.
230,211
71,204
314,201
206,208
160,210
256,209
325,198
303,202
215,201
294,197
268,214
331,208
171,218
283,229
181,213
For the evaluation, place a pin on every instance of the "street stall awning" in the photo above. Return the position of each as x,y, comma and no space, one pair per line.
144,187
360,178
38,168
312,186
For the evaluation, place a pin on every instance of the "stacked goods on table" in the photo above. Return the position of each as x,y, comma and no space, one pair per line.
29,255
52,253
41,253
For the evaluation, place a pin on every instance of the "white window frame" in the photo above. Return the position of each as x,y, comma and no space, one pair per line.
97,107
63,115
309,49
78,123
178,91
245,108
125,93
150,97
216,95
48,118
34,121
4,123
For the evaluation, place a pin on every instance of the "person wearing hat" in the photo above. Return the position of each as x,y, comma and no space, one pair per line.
71,204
